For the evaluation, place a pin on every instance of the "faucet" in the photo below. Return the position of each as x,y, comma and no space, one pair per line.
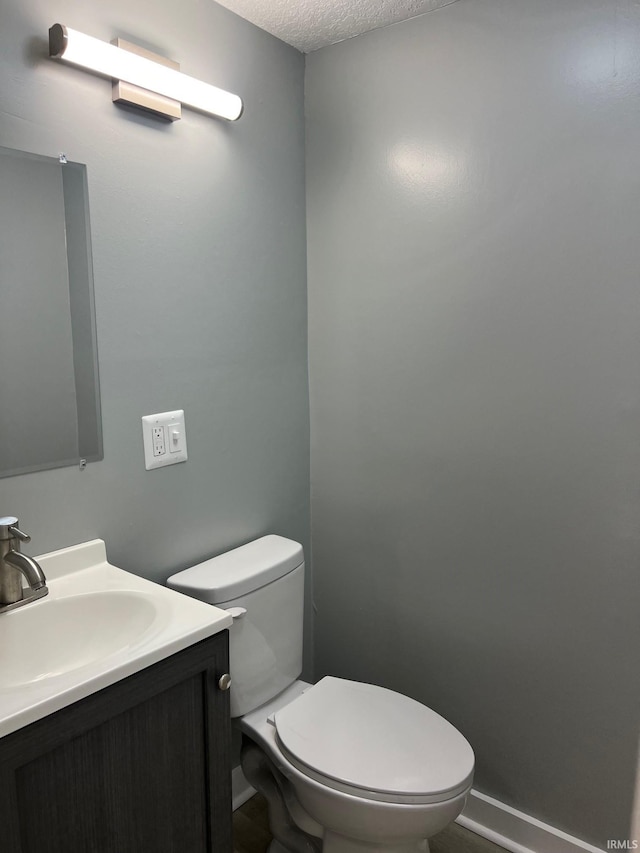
14,565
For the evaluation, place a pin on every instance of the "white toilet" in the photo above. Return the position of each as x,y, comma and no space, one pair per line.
345,767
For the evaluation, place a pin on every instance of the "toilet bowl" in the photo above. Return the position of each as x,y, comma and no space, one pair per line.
422,793
346,767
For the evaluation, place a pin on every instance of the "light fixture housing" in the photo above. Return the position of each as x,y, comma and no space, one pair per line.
109,60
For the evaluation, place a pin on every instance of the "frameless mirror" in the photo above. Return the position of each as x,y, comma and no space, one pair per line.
49,392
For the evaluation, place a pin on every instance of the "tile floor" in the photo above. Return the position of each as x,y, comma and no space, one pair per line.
251,833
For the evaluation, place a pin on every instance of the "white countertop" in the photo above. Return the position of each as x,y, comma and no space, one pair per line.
97,625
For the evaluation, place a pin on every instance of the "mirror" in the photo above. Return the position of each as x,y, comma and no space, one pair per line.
49,392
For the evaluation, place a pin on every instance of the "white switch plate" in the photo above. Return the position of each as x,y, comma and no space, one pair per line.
165,440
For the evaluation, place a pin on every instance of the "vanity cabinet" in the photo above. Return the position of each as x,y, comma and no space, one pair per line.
142,766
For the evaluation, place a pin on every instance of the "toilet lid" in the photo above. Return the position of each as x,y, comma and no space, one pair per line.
374,743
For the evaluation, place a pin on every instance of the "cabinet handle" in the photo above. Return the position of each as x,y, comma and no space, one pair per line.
225,681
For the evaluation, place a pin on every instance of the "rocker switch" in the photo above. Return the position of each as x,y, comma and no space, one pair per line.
175,437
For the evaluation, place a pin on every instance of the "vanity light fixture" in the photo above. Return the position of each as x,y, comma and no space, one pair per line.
126,66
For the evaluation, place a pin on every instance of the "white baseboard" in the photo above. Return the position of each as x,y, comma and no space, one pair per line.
241,790
516,831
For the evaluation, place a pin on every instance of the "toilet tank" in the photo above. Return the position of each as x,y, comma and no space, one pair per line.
266,579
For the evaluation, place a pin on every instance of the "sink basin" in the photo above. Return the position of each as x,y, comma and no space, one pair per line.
97,625
69,633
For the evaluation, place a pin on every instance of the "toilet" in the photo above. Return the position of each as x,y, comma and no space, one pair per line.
345,767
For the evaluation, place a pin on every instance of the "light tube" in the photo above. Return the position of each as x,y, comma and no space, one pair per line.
111,61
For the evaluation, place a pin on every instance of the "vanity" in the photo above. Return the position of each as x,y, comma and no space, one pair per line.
114,716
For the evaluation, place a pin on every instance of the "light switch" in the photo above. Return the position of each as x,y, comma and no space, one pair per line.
176,433
165,440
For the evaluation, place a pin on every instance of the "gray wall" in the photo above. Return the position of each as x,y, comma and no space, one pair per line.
473,181
199,261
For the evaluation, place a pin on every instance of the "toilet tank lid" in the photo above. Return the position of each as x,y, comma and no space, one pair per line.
238,572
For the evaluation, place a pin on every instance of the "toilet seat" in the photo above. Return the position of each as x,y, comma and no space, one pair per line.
374,743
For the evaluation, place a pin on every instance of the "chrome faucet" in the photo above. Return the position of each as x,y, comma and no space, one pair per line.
14,566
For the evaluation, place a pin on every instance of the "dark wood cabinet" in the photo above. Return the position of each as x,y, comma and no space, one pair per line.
142,766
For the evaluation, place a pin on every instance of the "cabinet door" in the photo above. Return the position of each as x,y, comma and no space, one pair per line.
140,767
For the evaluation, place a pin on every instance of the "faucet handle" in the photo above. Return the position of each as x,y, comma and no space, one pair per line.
9,529
19,534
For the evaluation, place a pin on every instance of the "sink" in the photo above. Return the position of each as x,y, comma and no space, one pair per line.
97,625
69,633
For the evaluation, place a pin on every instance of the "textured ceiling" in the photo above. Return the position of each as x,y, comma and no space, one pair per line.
310,24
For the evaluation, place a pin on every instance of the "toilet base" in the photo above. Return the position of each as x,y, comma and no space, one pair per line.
262,774
276,847
336,844
289,836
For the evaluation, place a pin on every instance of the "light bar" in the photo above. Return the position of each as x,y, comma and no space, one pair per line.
111,61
